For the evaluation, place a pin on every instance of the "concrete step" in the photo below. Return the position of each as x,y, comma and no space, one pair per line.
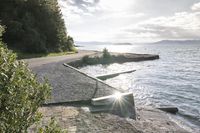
121,104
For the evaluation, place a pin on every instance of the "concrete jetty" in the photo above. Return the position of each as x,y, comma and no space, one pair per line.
68,83
117,58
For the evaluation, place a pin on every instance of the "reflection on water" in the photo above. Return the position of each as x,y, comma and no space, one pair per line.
173,80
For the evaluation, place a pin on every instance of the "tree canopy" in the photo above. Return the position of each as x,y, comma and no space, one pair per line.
34,26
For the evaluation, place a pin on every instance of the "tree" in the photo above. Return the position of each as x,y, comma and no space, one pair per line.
106,54
70,42
1,32
20,93
34,26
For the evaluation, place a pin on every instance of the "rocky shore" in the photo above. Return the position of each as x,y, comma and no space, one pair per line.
71,95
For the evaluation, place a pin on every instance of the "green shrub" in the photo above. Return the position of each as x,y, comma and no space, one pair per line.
106,58
106,54
20,94
70,42
90,60
85,59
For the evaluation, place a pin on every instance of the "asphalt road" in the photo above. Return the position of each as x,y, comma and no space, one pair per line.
35,62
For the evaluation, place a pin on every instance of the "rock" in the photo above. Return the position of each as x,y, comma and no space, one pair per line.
172,110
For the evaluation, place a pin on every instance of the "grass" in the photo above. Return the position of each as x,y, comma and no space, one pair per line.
21,55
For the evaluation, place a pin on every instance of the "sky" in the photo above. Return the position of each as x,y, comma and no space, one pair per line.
131,20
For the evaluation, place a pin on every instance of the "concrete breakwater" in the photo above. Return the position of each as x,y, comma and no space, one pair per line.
72,86
112,75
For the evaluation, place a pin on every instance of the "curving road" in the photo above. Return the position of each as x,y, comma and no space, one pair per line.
35,62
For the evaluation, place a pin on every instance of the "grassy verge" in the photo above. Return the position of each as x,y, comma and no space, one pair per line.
21,55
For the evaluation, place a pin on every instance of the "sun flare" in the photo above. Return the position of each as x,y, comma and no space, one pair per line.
118,96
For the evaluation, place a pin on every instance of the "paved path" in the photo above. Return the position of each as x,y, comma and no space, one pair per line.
35,62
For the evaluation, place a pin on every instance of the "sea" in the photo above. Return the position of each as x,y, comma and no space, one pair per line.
172,80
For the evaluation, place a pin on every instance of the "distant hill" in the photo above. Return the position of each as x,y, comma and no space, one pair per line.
177,42
126,43
100,43
91,43
79,43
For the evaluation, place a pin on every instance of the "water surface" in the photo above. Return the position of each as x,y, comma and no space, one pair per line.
173,80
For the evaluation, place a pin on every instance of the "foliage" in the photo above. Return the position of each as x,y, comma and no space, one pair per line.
70,42
106,58
87,60
106,54
52,127
1,31
20,94
34,26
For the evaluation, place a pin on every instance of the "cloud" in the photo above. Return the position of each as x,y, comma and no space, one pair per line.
118,21
196,7
82,5
183,25
121,15
75,10
115,5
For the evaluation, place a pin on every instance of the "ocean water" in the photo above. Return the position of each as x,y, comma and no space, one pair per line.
173,80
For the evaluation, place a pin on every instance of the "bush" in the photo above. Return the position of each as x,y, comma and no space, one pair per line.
106,54
106,58
85,59
20,94
70,42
